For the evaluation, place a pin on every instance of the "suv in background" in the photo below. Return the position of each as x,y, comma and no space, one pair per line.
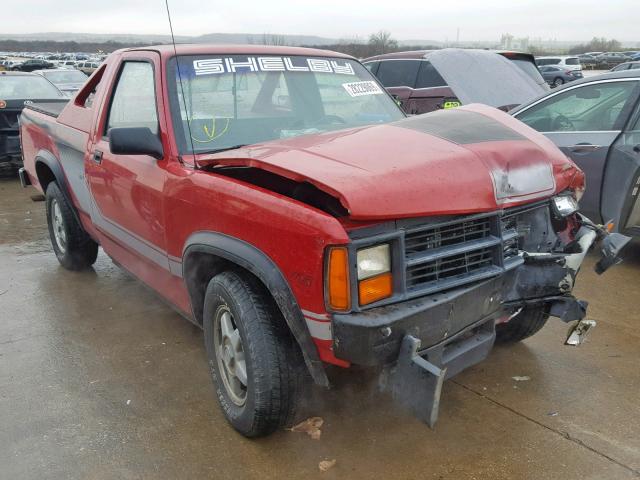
87,67
427,80
31,65
564,62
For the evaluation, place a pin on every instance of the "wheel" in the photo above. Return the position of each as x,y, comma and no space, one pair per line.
72,245
558,81
523,325
256,366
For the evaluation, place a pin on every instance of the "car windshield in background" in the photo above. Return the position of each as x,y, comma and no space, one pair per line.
18,87
71,76
239,100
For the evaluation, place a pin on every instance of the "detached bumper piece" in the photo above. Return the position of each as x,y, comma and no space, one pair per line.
416,380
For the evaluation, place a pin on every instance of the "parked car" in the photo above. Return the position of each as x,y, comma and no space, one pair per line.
556,76
566,62
87,67
626,66
596,122
424,81
67,81
16,89
32,64
609,59
310,223
587,60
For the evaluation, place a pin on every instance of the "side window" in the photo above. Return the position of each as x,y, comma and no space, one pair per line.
398,73
428,76
134,101
372,66
572,61
594,107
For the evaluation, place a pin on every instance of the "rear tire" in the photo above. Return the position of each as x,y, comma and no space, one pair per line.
557,82
525,324
256,365
73,247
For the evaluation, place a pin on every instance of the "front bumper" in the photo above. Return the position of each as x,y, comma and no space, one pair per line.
373,337
427,340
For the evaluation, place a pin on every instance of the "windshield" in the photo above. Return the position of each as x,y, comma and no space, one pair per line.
70,76
240,100
19,87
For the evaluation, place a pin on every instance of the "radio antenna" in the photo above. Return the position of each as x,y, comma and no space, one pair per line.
184,98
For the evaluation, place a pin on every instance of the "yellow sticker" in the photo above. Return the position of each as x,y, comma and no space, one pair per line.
451,104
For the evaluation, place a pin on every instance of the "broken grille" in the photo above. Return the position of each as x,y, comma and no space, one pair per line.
455,253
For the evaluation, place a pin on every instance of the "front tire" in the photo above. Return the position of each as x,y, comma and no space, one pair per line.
73,247
525,324
256,366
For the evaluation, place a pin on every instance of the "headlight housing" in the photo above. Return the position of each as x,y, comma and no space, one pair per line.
375,281
564,205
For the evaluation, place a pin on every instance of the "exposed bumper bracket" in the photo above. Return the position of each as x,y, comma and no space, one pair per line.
416,383
416,380
24,178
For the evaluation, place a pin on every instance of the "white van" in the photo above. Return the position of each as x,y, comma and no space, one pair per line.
566,62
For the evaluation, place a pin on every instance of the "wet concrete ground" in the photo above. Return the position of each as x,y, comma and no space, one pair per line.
99,379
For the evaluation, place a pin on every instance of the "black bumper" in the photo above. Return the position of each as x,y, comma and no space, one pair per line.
373,337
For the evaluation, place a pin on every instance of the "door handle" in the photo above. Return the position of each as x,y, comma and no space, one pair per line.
584,148
97,156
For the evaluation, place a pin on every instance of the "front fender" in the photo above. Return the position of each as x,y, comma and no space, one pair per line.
259,264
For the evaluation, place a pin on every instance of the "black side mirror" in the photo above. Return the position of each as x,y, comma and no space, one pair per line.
135,141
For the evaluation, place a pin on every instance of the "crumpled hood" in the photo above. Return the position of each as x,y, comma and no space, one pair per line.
482,76
447,162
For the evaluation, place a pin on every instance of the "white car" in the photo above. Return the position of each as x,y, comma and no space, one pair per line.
566,62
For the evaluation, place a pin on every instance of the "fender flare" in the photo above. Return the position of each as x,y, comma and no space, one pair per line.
259,264
49,159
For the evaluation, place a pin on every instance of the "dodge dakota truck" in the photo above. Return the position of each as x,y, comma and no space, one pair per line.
280,199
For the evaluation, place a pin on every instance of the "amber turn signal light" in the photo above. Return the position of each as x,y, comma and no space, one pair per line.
338,279
375,288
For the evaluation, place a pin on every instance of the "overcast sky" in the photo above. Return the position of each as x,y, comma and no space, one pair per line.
405,19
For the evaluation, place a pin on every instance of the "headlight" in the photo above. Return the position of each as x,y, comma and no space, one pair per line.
564,205
375,281
373,261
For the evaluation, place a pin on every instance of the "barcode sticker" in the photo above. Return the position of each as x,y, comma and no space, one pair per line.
358,89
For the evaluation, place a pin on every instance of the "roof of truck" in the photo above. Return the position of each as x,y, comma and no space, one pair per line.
207,49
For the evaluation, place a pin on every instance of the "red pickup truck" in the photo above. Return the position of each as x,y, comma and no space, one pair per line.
280,199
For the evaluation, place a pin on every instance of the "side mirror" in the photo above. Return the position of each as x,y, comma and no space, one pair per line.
135,141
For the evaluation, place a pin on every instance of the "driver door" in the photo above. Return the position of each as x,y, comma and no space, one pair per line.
584,122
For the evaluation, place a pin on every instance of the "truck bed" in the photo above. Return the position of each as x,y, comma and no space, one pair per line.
51,108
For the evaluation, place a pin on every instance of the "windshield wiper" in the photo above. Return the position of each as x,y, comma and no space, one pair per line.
223,149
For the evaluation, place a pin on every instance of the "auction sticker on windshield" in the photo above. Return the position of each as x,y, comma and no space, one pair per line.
358,89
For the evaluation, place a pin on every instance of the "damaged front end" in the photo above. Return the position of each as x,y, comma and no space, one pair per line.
457,279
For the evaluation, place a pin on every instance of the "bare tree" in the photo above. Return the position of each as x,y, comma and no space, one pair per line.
382,42
273,39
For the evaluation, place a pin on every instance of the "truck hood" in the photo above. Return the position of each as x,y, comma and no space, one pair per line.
470,159
481,76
